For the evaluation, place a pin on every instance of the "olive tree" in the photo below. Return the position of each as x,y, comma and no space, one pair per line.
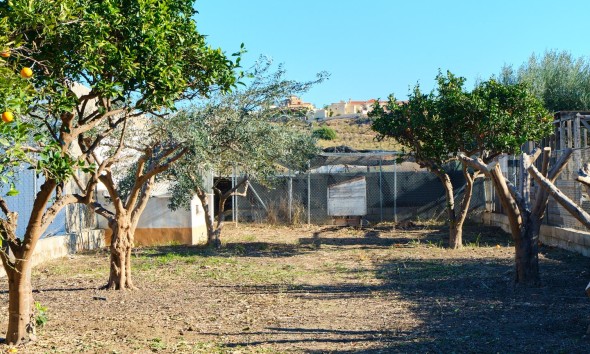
558,79
135,57
245,130
141,151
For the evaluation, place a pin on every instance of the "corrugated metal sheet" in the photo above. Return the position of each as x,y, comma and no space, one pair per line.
348,198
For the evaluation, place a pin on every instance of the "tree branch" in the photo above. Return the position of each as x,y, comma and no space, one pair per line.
561,198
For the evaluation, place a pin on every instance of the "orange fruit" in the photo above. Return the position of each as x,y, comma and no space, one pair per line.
7,117
26,73
5,53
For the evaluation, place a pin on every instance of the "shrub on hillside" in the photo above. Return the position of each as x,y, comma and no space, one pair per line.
325,133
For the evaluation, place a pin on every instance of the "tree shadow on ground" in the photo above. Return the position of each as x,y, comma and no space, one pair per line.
48,290
374,237
463,303
319,335
459,304
473,305
380,236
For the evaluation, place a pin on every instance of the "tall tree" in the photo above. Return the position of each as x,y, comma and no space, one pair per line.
546,185
488,121
559,79
136,57
246,130
140,152
511,116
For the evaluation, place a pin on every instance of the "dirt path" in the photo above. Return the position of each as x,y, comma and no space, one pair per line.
277,289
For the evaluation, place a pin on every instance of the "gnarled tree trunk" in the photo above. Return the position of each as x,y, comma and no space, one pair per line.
527,252
121,247
455,234
214,230
525,216
212,236
16,255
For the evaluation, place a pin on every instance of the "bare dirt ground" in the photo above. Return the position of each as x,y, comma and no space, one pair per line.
317,290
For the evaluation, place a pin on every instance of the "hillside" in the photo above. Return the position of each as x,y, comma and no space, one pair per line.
355,133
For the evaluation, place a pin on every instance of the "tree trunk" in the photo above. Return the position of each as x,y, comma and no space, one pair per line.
121,246
455,228
220,219
21,321
211,236
455,235
527,253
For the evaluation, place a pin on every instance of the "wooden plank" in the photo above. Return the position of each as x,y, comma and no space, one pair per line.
568,133
576,128
347,182
561,135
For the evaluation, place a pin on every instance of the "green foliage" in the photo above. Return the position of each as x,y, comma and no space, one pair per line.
40,314
242,130
561,81
136,57
493,118
144,51
324,133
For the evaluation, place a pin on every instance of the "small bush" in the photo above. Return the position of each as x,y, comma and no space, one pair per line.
324,133
41,314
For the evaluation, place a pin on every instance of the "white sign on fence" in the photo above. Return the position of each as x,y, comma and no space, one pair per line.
348,198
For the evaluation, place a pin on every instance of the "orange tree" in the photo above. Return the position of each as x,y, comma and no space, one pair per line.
486,122
94,64
431,127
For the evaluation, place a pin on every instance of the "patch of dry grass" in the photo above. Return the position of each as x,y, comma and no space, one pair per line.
356,134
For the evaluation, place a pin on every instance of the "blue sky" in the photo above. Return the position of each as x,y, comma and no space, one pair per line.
374,48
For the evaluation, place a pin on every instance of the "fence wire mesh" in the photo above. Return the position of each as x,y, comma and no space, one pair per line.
396,192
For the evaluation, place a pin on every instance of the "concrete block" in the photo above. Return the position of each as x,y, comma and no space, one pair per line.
566,238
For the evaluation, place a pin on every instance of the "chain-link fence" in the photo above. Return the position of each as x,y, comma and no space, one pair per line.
72,219
394,191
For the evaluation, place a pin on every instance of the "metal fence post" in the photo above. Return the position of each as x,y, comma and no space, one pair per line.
381,188
233,197
308,193
290,186
395,190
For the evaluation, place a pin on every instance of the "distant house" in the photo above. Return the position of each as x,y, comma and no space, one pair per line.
296,103
351,107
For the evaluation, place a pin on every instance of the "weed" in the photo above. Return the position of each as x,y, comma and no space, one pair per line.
239,249
415,243
279,212
363,256
40,314
336,267
437,244
157,344
475,243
